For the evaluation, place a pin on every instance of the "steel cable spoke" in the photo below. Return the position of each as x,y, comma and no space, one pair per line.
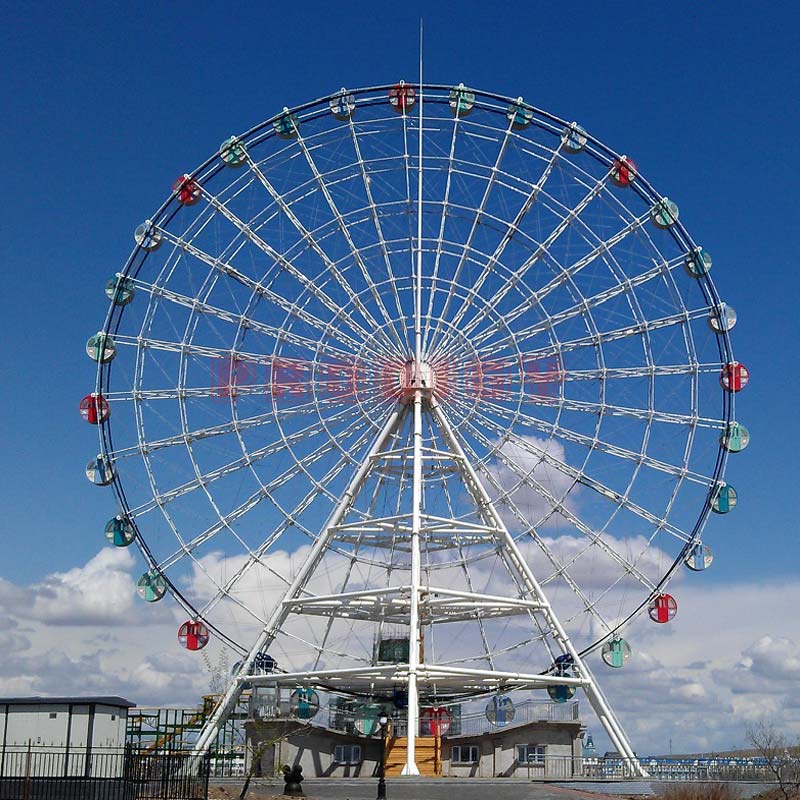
343,228
558,507
290,518
467,246
291,308
619,499
378,230
512,229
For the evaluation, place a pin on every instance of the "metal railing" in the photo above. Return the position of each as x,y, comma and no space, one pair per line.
709,769
524,713
667,769
36,772
469,724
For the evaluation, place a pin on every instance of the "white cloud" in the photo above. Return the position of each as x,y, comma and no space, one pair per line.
100,592
530,470
773,658
83,631
731,655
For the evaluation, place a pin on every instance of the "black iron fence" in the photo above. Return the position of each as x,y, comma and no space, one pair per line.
37,772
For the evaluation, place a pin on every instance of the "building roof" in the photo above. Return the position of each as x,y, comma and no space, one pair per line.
103,700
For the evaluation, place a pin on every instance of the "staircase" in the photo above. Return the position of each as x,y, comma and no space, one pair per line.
428,755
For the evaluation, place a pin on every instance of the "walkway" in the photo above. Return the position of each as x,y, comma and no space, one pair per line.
416,789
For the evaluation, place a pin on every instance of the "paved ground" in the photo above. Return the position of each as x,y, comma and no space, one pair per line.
453,789
416,789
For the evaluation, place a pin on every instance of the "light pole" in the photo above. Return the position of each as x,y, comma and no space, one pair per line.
383,721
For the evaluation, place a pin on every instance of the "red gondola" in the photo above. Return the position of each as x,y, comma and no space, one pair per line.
193,635
662,608
94,409
623,171
435,720
402,97
187,189
734,376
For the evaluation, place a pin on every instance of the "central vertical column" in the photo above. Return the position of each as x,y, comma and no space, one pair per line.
414,638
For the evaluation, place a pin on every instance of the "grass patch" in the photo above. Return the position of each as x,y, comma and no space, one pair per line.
704,791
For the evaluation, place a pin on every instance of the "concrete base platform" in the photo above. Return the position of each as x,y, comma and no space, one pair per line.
409,788
415,789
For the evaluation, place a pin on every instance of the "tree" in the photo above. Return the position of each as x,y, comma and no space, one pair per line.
219,673
783,759
257,749
256,752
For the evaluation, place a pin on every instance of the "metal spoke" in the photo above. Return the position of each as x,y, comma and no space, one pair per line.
308,284
290,518
578,309
544,248
557,507
512,229
291,308
343,228
440,238
216,353
645,414
160,499
279,334
536,297
637,329
378,230
198,434
467,245
620,500
594,443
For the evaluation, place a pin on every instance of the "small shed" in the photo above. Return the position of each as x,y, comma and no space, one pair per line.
64,723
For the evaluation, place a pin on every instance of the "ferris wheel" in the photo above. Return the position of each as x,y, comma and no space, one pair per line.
423,368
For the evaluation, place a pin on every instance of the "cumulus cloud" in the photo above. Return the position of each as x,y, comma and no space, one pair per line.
83,631
522,468
727,659
99,592
773,658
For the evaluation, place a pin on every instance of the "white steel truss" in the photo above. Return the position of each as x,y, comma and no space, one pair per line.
555,367
413,604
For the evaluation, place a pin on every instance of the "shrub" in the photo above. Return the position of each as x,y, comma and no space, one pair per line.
700,791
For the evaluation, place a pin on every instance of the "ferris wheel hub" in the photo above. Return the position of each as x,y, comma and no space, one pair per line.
416,376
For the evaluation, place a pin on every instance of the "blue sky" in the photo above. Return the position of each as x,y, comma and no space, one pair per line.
103,106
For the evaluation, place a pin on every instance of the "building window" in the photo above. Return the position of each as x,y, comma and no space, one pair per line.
347,754
53,715
464,754
113,717
530,753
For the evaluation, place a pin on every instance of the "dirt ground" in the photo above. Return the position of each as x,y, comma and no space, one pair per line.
231,792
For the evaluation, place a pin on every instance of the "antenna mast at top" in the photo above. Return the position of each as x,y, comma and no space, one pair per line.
418,277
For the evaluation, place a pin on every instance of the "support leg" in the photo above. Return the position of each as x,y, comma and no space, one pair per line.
276,619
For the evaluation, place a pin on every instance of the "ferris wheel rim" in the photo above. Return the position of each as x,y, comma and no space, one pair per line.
210,168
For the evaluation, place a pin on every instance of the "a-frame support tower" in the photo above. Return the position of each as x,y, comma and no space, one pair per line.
412,603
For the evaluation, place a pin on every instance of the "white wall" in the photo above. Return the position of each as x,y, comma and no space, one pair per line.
48,724
39,724
109,726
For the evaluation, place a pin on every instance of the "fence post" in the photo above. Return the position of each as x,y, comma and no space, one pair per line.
126,772
26,786
164,776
